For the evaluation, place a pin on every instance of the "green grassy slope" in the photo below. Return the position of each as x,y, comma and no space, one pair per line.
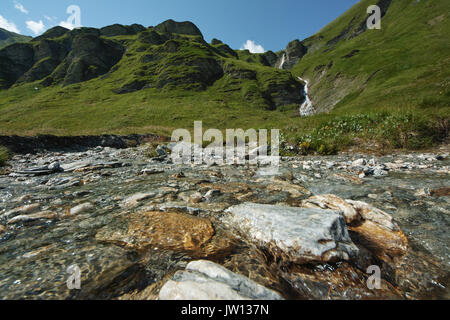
154,88
7,38
405,64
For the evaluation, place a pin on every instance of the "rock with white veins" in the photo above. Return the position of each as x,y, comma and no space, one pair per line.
302,234
332,202
205,280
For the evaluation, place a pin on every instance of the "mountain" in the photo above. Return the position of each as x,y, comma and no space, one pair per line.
8,37
134,77
383,89
405,64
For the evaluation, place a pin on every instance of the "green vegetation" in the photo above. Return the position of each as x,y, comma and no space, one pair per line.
7,38
4,156
381,89
405,64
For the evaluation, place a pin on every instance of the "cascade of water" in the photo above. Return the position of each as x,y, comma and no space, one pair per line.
283,61
307,107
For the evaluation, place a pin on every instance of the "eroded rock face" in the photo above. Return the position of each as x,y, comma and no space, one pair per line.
162,230
378,232
205,280
303,234
372,227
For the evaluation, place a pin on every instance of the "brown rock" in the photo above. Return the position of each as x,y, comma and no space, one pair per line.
442,192
33,217
2,229
378,232
162,230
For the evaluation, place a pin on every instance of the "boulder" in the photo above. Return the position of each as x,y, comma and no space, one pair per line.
161,230
302,234
205,280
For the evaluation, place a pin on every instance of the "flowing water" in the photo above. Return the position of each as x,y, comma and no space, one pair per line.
35,254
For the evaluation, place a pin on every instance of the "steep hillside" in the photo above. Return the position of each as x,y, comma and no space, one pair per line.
8,37
133,78
405,64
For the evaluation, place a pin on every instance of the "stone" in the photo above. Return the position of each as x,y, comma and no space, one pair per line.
332,202
2,229
205,280
378,231
22,210
302,234
81,208
33,217
359,163
54,166
161,230
134,200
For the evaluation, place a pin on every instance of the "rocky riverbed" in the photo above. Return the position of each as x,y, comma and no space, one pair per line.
145,228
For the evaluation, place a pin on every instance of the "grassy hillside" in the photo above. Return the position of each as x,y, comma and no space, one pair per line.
7,38
405,64
387,88
162,81
382,89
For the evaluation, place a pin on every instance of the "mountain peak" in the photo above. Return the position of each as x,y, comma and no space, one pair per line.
185,27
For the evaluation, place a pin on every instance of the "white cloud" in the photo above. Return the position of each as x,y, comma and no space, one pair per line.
35,27
253,47
7,25
20,7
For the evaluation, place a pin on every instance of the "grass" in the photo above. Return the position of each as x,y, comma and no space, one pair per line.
4,156
394,93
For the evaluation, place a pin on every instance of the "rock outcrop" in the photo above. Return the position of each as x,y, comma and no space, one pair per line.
304,235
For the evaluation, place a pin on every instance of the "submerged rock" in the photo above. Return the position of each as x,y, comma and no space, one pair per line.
205,280
303,234
161,230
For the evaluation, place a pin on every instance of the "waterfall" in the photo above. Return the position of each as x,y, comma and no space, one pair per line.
307,107
283,61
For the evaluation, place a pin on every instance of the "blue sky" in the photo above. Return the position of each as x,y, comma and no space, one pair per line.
269,23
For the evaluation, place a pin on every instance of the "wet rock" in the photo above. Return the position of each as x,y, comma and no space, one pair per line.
2,229
302,234
205,280
33,217
22,210
378,232
161,231
55,167
442,192
151,171
81,208
134,200
330,201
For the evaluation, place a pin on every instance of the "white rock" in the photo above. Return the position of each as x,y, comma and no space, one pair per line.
304,234
81,208
205,280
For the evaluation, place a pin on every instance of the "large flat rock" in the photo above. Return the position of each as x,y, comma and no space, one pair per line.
303,234
205,280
